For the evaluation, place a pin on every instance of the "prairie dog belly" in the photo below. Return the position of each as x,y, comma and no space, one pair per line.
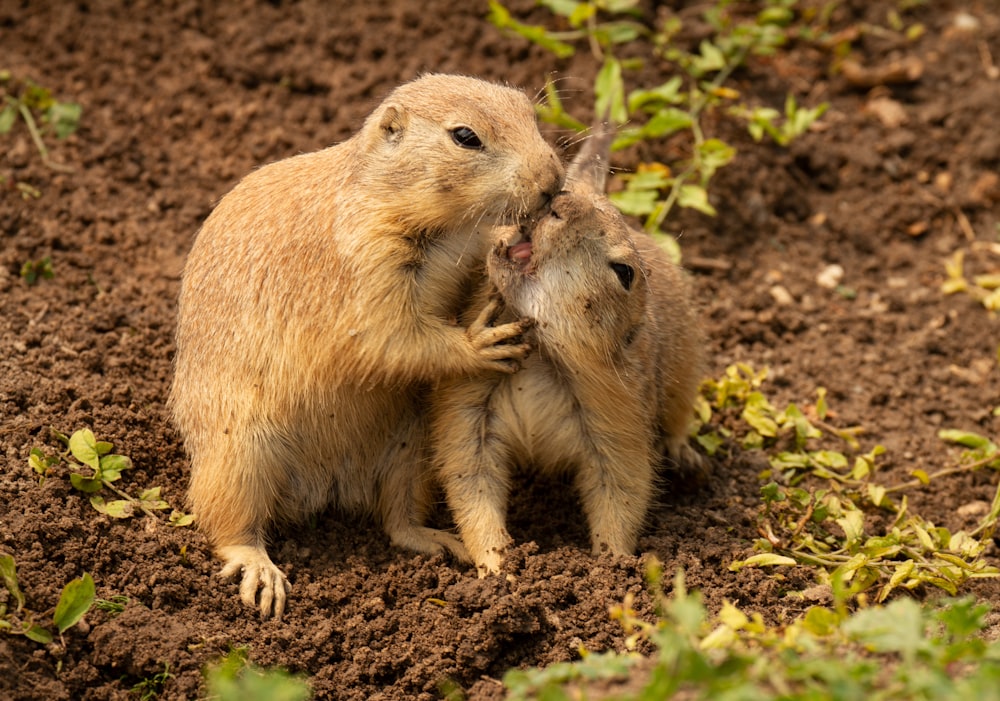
536,411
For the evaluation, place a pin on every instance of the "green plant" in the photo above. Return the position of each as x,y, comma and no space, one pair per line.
151,687
823,505
93,468
763,121
113,606
76,599
235,679
34,270
677,106
901,651
40,112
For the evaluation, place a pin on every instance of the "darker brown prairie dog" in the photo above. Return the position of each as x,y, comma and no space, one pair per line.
611,386
315,306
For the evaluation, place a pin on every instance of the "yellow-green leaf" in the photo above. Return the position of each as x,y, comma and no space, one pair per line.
77,598
768,560
8,572
83,446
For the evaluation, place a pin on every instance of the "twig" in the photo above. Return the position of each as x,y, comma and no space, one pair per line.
970,467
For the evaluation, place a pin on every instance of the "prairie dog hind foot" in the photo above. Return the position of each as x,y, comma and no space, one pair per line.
430,541
258,573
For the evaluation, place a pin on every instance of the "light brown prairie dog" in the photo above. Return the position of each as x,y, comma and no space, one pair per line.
314,310
610,388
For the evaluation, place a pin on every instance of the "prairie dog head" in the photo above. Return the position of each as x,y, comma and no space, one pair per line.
576,269
460,146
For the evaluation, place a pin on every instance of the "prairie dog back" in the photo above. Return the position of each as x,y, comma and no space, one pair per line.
610,388
315,305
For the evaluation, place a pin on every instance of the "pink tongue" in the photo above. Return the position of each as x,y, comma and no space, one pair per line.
520,252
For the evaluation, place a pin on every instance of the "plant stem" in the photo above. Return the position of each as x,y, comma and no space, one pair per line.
697,105
36,136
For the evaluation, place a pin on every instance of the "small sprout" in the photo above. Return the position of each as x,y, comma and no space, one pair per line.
765,121
151,687
93,468
113,606
40,112
34,270
41,463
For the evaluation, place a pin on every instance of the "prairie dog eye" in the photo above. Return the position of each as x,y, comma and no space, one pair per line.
466,138
625,273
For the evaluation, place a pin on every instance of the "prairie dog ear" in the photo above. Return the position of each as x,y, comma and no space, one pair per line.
591,166
392,122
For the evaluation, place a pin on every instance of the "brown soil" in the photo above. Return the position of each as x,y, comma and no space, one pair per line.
182,98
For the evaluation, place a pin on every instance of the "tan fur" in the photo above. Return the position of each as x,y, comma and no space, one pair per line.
315,307
610,389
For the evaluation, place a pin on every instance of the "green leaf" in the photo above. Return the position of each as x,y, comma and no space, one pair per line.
37,633
876,494
635,203
119,508
714,154
38,461
853,524
966,438
150,499
964,618
665,122
829,458
759,413
36,97
83,446
77,598
781,16
821,407
666,94
772,492
64,118
899,575
695,197
179,519
8,572
8,116
609,92
897,628
501,18
112,466
618,32
581,13
617,7
711,59
85,484
820,620
560,7
766,560
711,442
